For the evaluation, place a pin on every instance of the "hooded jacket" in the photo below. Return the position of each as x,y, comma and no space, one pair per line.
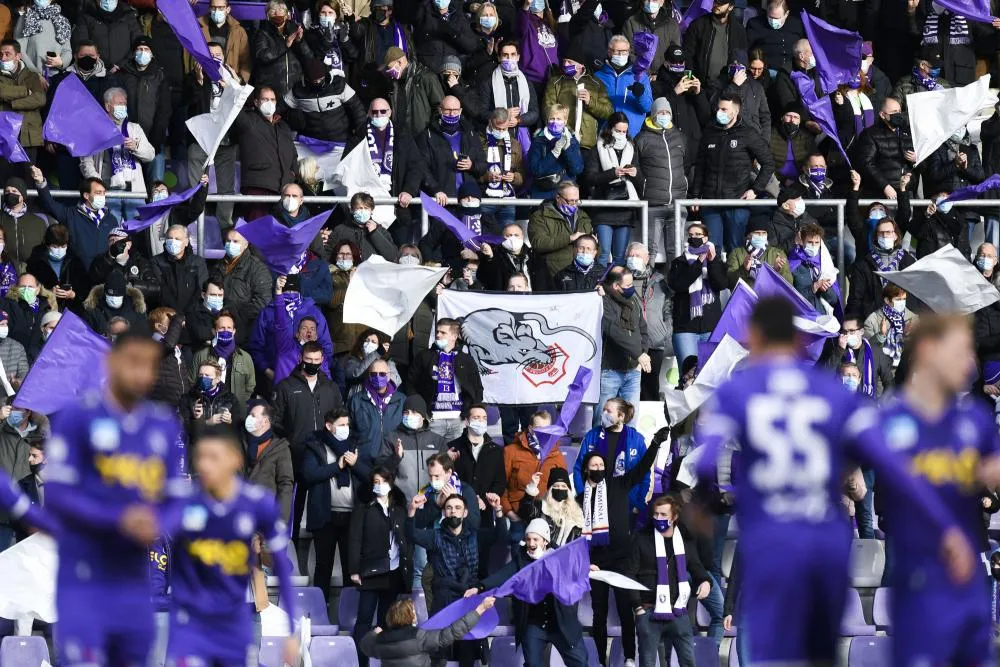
661,155
138,273
98,314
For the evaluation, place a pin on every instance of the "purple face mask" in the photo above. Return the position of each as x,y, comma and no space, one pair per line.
378,382
556,127
393,73
508,65
569,70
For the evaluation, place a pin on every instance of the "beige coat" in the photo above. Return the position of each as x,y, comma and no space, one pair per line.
98,165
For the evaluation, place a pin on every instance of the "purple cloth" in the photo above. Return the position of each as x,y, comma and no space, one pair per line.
281,335
788,169
536,57
8,277
465,236
319,145
820,109
10,129
281,246
974,10
564,573
837,51
735,317
548,436
78,122
644,45
71,362
459,608
769,283
150,214
695,11
973,191
180,17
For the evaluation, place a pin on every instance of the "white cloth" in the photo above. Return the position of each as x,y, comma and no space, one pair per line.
935,115
595,522
663,603
609,160
385,295
327,162
500,90
679,404
209,129
354,174
946,282
28,579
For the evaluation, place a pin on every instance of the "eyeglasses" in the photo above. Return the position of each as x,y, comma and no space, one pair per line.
380,112
379,375
848,332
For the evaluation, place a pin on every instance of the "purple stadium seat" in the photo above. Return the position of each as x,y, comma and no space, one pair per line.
870,652
270,651
555,660
420,605
492,414
880,610
504,653
347,610
614,621
702,616
333,652
853,624
312,604
706,653
585,611
23,652
734,655
569,453
581,423
505,628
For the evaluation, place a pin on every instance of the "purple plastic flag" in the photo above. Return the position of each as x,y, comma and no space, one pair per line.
974,10
563,573
71,362
180,17
281,246
458,609
695,11
548,436
150,214
735,316
819,108
810,324
319,145
78,122
644,45
465,236
973,191
10,129
837,51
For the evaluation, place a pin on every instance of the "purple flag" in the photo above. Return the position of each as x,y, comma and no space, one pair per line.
974,10
281,246
695,11
837,51
180,17
973,191
78,122
10,129
769,283
548,436
819,108
465,236
563,573
71,362
458,609
319,145
735,316
644,45
150,214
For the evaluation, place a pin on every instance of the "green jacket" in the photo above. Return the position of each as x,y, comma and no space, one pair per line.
24,94
562,90
549,234
738,257
241,381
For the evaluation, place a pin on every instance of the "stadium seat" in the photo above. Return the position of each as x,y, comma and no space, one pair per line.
569,453
311,604
853,623
420,605
734,654
706,653
333,652
347,610
870,652
585,611
702,617
555,660
270,651
23,652
581,423
880,610
505,653
505,628
728,553
867,563
492,414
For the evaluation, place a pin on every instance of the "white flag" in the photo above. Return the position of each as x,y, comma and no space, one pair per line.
208,129
946,281
529,346
717,369
384,295
935,115
327,162
28,579
355,173
617,580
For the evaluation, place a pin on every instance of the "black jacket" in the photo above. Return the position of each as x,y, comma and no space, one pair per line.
318,41
784,228
138,273
878,157
624,330
725,161
317,473
698,44
936,231
590,35
440,244
149,101
211,406
98,314
865,296
368,548
777,44
599,180
332,112
941,173
642,566
486,474
691,111
421,380
681,275
71,272
299,412
376,242
833,356
267,151
200,329
180,279
174,379
441,170
528,119
437,37
247,284
275,64
494,272
571,279
987,330
112,32
989,134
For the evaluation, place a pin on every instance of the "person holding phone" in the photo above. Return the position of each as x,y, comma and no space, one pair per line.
44,35
59,269
453,151
209,402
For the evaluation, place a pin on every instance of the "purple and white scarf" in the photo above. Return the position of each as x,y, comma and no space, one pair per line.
893,346
596,524
666,607
925,82
293,301
755,258
8,277
122,162
887,261
867,367
381,401
498,161
95,216
700,293
382,157
446,399
800,256
454,481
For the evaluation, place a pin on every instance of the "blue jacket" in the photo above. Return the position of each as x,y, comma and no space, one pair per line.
636,108
317,283
85,238
633,446
369,425
567,167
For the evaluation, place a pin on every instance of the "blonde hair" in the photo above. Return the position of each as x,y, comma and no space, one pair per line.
557,109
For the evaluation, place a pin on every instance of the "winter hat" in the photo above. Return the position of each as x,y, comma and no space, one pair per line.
451,64
219,41
558,475
931,53
143,40
539,527
469,189
116,234
660,104
758,224
114,285
391,54
794,107
416,403
575,52
315,69
51,317
674,54
793,191
18,184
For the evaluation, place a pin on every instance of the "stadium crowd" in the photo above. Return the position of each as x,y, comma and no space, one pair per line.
378,446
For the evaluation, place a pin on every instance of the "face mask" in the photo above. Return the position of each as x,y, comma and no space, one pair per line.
341,433
160,195
722,117
57,254
268,108
886,243
250,424
607,420
651,8
635,264
173,246
502,135
450,123
214,302
935,72
584,258
42,4
944,206
345,264
29,294
570,71
218,16
451,522
8,65
290,204
560,495
225,337
513,244
775,23
381,489
361,215
877,214
393,73
661,525
472,203
326,21
413,422
696,241
798,208
477,427
984,264
537,6
899,120
381,14
114,302
380,122
619,139
4,330
664,121
811,250
817,175
120,112
758,242
16,418
97,202
86,63
368,347
310,369
142,58
380,382
409,260
853,340
619,60
109,5
437,484
899,305
850,382
556,127
488,22
204,383
568,210
11,199
812,62
628,292
596,476
440,343
233,249
791,129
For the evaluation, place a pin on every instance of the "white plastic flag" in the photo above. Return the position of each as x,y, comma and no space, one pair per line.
355,173
208,129
946,281
717,369
384,295
935,115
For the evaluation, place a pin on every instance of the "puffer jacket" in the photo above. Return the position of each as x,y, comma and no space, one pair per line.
138,274
550,232
22,93
98,314
690,109
655,293
725,160
663,26
908,86
941,174
878,156
624,330
149,102
274,63
661,156
411,470
181,279
246,281
331,113
563,89
437,37
113,32
520,462
412,647
267,151
755,110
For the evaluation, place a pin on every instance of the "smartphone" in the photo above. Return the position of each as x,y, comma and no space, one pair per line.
462,156
688,74
66,288
51,54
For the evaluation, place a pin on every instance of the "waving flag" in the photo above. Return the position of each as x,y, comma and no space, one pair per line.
820,109
281,246
695,11
384,295
935,115
548,436
837,51
180,17
355,173
71,363
465,236
974,10
158,211
644,45
945,281
973,191
78,122
209,129
326,153
716,370
10,129
814,327
735,318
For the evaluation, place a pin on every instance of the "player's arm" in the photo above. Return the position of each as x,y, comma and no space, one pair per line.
712,431
14,501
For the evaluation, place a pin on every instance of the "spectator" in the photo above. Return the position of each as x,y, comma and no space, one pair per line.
57,268
12,354
889,326
744,262
183,214
209,402
200,328
789,217
413,91
370,346
655,18
706,58
453,84
236,363
630,93
111,25
754,109
584,272
790,146
267,152
180,272
784,92
512,257
42,29
112,300
316,281
987,320
376,410
555,154
557,507
884,151
485,27
504,166
807,278
26,305
954,165
612,174
454,152
219,23
329,37
441,244
323,106
22,91
852,347
652,289
441,29
174,379
728,149
24,229
686,100
289,343
149,100
447,379
14,453
521,461
278,51
661,156
335,470
586,98
696,279
507,87
925,76
346,256
8,272
776,34
938,225
816,186
268,458
854,109
886,255
405,449
589,31
245,279
556,225
536,34
625,355
375,35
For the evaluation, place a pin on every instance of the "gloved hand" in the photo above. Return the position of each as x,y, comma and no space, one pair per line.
637,89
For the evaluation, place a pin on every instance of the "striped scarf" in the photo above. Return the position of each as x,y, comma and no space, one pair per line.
667,607
596,525
699,291
867,367
925,82
755,258
886,261
893,346
958,29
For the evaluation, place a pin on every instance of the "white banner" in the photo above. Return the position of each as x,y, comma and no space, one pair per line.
946,281
327,162
28,579
529,346
208,129
384,295
356,174
935,115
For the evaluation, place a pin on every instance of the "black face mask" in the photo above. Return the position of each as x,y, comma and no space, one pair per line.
310,369
899,120
317,85
451,522
696,241
118,247
86,63
596,476
11,199
560,495
381,14
791,129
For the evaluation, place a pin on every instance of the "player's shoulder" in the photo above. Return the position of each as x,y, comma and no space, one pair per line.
260,499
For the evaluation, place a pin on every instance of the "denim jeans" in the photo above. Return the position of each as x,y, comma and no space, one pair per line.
686,345
514,418
534,641
726,224
714,605
124,209
721,529
865,510
614,243
449,429
155,169
676,634
662,231
992,226
624,384
504,215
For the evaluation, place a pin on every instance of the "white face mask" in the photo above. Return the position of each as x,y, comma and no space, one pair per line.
381,489
250,424
478,427
899,305
619,139
853,340
635,264
798,208
513,243
268,108
341,433
368,347
409,260
3,331
290,204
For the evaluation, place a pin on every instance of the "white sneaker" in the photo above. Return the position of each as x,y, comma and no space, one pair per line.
630,663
